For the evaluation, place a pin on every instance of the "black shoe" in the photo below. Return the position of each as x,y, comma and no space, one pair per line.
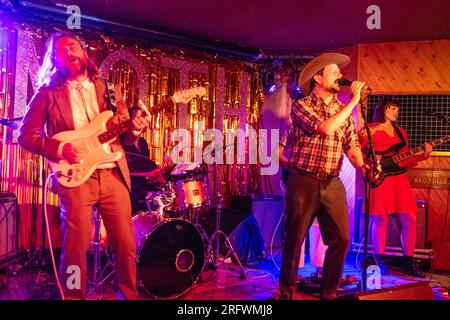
381,264
377,259
410,267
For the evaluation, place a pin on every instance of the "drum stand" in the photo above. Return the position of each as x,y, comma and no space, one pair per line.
97,281
214,241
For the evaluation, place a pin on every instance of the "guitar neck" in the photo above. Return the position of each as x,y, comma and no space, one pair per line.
161,106
127,125
404,155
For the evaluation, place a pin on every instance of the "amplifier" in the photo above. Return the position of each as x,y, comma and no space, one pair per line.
267,210
242,230
393,242
9,226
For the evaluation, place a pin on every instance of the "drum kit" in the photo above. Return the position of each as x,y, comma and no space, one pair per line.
172,247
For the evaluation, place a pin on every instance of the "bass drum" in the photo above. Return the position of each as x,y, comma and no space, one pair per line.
170,255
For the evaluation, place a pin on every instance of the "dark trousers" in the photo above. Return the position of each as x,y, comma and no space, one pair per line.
306,198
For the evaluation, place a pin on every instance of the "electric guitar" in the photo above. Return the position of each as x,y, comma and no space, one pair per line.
389,165
93,141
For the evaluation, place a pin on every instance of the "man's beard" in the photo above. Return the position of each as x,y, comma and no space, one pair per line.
335,88
70,70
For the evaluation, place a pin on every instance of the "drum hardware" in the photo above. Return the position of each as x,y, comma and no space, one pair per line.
157,202
97,275
213,249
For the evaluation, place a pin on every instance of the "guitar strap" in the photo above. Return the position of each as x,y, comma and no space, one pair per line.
111,97
399,133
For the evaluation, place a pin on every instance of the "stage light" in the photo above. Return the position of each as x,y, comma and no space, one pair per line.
295,92
269,84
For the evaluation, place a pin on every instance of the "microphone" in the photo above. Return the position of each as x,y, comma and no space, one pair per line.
9,123
346,83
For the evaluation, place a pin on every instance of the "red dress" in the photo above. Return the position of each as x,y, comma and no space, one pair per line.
394,194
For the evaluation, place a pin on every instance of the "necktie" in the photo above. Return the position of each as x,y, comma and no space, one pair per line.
79,87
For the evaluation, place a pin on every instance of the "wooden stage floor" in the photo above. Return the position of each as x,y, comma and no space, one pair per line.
261,283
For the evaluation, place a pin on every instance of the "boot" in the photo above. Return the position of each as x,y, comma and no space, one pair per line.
379,261
410,267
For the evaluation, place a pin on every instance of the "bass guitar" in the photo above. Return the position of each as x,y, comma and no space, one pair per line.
389,165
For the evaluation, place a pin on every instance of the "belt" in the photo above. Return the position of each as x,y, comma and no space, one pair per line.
316,175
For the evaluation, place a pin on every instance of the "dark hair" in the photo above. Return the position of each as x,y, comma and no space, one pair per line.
382,105
313,82
48,74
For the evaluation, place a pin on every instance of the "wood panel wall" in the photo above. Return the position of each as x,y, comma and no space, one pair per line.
413,67
406,67
438,214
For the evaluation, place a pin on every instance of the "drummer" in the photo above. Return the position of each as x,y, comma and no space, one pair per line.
142,183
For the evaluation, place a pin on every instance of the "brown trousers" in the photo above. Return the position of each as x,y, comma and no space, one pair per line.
105,188
306,198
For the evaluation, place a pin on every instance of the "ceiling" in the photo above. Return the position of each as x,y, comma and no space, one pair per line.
282,27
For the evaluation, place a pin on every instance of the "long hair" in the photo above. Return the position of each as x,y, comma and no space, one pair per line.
382,105
48,74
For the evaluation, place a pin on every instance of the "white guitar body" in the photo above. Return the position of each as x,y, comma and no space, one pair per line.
93,152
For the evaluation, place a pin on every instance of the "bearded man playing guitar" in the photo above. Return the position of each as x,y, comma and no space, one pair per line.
68,122
391,192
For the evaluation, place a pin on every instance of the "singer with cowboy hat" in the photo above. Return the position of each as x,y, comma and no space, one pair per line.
323,130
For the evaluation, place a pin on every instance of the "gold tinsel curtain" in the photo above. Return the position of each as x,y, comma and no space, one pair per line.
23,173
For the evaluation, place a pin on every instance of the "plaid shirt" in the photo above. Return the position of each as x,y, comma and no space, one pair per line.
311,151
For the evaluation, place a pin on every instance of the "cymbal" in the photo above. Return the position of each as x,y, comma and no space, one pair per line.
139,165
187,171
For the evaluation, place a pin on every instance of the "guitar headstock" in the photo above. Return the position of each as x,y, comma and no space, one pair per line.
184,96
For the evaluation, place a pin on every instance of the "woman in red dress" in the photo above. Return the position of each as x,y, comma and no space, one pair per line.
394,195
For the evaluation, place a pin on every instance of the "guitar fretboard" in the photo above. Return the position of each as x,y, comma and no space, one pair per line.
404,155
126,125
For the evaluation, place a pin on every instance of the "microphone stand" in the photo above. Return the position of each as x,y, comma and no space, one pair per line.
370,156
444,118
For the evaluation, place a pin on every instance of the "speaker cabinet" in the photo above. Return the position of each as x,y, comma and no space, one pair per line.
412,291
393,242
267,210
9,226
